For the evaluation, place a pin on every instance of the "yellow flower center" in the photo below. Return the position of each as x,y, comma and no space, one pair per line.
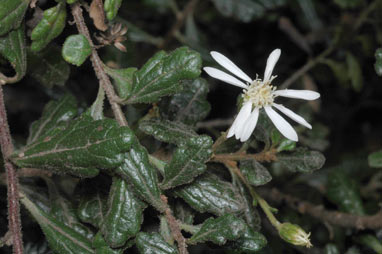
259,93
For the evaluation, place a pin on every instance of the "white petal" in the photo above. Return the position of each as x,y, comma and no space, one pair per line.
292,115
230,66
298,94
218,74
250,125
271,62
283,126
240,119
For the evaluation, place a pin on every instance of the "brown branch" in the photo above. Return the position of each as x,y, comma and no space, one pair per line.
267,156
98,66
320,213
175,229
180,19
14,223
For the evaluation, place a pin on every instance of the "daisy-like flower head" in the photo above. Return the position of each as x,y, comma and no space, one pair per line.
259,94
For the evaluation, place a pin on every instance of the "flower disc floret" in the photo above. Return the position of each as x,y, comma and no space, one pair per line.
260,94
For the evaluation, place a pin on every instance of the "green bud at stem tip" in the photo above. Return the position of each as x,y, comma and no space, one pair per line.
294,234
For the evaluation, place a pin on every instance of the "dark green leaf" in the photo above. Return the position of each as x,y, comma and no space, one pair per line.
49,27
187,162
124,215
12,48
80,148
219,230
251,215
153,244
354,72
167,131
245,10
286,145
55,112
302,160
208,193
76,49
349,3
161,74
183,213
255,173
101,247
331,248
370,241
48,67
111,8
378,62
375,159
190,105
123,80
12,14
91,209
342,191
61,238
250,242
142,175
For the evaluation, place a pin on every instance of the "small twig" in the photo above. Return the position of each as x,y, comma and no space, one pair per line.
175,229
287,27
14,223
266,156
320,213
98,66
180,18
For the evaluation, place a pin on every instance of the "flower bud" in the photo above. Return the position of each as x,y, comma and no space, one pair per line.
294,234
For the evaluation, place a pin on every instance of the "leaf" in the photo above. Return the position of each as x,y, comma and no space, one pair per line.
61,238
210,194
54,113
378,62
96,12
48,67
255,173
375,159
49,27
111,8
190,105
348,3
167,131
124,215
101,247
188,162
370,241
91,209
219,230
250,242
161,74
12,14
331,248
343,192
76,49
153,243
339,70
354,72
12,48
251,215
183,212
245,10
142,175
302,160
81,148
123,80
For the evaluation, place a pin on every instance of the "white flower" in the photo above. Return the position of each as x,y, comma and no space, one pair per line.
258,94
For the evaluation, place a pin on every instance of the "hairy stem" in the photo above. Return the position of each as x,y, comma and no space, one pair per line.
266,156
14,223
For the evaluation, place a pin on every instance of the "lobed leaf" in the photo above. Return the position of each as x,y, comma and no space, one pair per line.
188,162
12,48
137,168
81,148
161,74
302,160
49,27
255,173
12,14
76,49
219,230
150,243
124,215
209,193
48,67
167,131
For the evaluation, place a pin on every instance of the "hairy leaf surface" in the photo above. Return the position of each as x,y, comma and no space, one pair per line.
12,14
